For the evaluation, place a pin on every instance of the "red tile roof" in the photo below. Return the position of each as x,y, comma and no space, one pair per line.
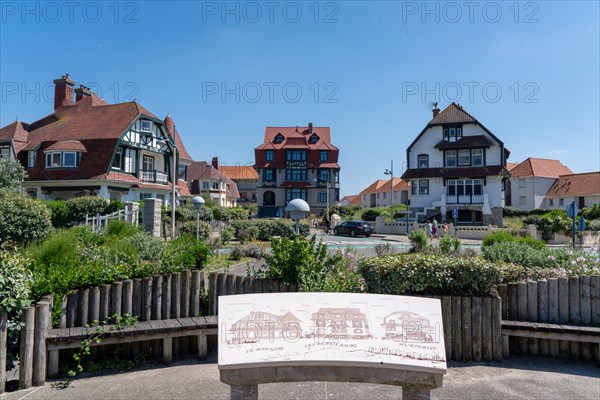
238,173
353,200
74,145
183,154
511,165
399,184
452,113
17,133
203,171
540,167
586,184
297,136
372,188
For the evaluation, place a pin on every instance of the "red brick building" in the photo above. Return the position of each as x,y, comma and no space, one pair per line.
296,162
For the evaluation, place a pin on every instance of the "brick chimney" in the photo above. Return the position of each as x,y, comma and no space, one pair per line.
81,92
63,92
215,162
310,128
435,110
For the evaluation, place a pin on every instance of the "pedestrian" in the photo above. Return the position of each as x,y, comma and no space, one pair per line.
428,228
434,228
445,229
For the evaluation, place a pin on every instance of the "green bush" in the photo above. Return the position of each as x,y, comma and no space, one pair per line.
556,221
113,206
90,205
344,211
227,234
238,213
265,229
62,248
12,175
497,237
419,240
593,225
59,213
370,214
184,252
15,294
250,250
121,228
147,247
531,242
189,228
23,219
221,213
593,212
429,274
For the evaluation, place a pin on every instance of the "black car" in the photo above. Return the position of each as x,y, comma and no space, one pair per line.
353,228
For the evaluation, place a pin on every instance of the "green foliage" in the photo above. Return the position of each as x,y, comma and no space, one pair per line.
62,248
419,240
238,213
497,237
184,252
515,212
59,213
227,234
120,228
146,246
12,175
113,206
80,206
591,213
344,211
429,274
556,221
249,250
370,214
189,228
221,213
265,229
23,219
593,225
531,242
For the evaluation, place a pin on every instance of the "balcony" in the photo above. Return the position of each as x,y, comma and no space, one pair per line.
323,184
269,184
154,176
464,199
296,164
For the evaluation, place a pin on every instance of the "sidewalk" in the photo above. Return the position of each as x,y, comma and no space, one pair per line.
518,378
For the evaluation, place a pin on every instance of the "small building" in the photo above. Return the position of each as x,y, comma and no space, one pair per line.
378,194
405,326
246,178
583,189
350,200
530,181
341,323
260,325
206,179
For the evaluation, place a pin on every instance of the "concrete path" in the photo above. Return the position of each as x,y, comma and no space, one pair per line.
518,378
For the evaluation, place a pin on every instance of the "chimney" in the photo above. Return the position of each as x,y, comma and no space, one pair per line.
435,110
310,131
63,92
81,92
215,162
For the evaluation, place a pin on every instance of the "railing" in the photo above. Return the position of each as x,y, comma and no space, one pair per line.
332,185
269,183
154,177
100,222
464,199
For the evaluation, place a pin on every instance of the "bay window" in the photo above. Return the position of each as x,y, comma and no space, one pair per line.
295,193
464,157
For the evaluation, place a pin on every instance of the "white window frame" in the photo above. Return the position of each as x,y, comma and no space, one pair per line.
322,197
119,155
145,121
561,202
205,185
425,159
31,156
464,154
146,157
50,159
522,200
452,154
522,183
477,154
64,159
551,202
414,188
423,186
5,151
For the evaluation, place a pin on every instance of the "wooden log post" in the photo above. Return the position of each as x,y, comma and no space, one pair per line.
220,290
457,353
72,308
542,296
116,298
574,312
138,291
176,295
586,313
212,293
146,299
522,306
84,307
196,291
447,321
595,305
94,313
257,285
532,313
127,306
496,304
186,287
42,317
157,288
486,329
553,313
239,285
476,328
167,350
3,350
64,306
166,297
230,284
563,312
247,285
503,293
27,346
512,312
465,329
105,295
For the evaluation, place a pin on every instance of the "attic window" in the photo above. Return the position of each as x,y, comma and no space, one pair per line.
452,134
279,138
146,126
314,138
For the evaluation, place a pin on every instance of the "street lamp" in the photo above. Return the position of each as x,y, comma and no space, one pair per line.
390,172
198,202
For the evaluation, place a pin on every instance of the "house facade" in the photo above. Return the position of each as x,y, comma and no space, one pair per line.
456,162
583,189
246,178
378,193
89,147
206,180
530,181
296,162
350,200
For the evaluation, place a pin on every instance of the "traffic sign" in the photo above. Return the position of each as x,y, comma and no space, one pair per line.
572,209
454,213
582,224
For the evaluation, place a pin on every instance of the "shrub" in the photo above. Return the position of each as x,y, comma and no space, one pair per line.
238,213
120,228
429,274
445,244
497,237
531,242
344,211
221,213
12,175
146,246
593,225
113,206
591,213
188,212
240,251
91,205
227,234
60,249
184,252
23,219
370,214
59,213
265,229
189,228
419,240
556,221
384,249
246,232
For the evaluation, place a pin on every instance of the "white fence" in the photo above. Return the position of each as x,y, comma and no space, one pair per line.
100,222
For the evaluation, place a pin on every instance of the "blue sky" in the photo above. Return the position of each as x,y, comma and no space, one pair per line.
529,71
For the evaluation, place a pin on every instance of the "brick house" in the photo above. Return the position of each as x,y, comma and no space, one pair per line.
206,179
296,162
89,147
456,162
583,189
245,177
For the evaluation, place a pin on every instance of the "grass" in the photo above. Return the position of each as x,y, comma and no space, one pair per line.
513,222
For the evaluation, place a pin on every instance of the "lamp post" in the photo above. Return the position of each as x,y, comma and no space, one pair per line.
390,172
198,202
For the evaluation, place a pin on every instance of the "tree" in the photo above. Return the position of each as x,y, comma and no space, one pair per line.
12,175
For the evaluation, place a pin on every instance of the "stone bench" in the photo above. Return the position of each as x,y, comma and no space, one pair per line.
335,337
165,330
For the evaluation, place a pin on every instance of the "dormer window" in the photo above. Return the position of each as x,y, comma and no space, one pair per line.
452,134
269,155
146,126
279,138
314,138
31,156
62,159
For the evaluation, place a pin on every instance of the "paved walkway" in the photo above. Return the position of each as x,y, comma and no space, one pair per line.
518,378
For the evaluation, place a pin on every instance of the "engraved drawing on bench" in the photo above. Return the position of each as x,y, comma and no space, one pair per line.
260,325
406,326
341,323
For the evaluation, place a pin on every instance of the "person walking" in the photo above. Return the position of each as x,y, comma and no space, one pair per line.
434,228
428,228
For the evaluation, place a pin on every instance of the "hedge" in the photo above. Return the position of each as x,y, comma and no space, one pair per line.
23,219
265,229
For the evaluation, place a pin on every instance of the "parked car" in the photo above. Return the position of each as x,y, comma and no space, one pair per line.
353,228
